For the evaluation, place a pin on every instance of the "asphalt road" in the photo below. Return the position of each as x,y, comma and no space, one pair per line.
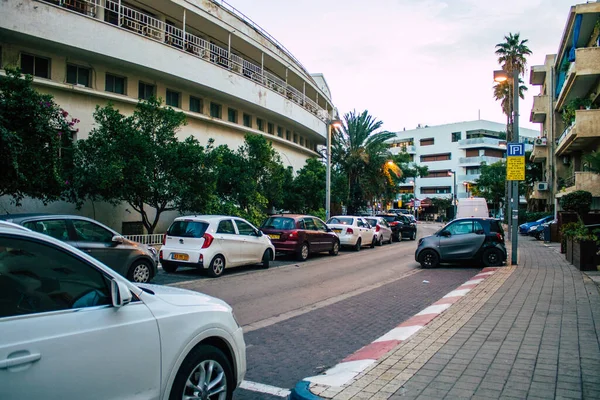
301,318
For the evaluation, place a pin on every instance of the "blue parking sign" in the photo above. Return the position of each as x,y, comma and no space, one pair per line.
516,149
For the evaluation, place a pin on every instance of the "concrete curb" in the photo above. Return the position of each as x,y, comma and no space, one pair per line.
302,392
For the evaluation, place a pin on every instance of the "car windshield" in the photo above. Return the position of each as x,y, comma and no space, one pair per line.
278,223
389,218
372,221
341,221
496,226
186,228
542,220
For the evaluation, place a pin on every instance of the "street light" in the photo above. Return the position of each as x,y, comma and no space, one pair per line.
455,197
330,124
513,186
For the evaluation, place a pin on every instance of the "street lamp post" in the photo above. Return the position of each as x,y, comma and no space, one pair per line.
513,186
455,195
330,125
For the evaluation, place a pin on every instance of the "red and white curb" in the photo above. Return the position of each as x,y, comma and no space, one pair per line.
356,363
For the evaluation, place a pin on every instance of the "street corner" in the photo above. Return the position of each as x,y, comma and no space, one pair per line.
383,363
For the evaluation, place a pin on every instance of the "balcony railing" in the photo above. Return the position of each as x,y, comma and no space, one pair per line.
478,142
155,29
478,160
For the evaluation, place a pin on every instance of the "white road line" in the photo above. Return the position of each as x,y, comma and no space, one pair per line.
262,388
401,333
435,309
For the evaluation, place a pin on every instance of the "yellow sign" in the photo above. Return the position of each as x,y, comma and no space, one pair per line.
515,168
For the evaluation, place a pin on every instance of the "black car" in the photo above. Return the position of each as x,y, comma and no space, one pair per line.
464,240
402,226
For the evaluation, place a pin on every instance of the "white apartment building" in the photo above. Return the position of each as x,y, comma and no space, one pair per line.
202,57
458,148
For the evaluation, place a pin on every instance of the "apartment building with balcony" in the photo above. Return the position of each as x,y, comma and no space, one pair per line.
457,147
202,57
568,109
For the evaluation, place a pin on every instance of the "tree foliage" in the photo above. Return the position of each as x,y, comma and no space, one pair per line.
491,183
36,141
578,201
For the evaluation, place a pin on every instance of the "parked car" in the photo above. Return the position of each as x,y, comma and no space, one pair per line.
300,235
524,228
464,240
79,330
353,231
383,231
213,243
137,262
402,226
398,211
538,230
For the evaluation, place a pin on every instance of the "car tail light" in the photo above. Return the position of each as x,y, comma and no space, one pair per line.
499,236
293,235
377,228
165,239
349,231
208,239
160,255
393,223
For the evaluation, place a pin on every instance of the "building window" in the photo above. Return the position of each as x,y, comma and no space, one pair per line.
437,174
493,153
473,171
247,119
114,84
301,140
215,110
196,104
36,66
295,138
260,124
456,136
280,131
270,128
288,135
173,98
145,91
427,142
436,157
232,115
436,190
77,75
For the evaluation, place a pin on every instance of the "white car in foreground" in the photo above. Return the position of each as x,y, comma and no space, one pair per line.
353,231
214,242
72,328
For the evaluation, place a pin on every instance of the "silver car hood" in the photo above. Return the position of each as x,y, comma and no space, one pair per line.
183,297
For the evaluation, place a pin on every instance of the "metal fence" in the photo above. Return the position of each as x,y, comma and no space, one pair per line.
153,239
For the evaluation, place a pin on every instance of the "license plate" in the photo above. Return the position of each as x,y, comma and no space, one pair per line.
181,257
273,236
337,230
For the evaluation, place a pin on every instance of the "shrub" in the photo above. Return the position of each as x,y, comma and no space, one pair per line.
578,201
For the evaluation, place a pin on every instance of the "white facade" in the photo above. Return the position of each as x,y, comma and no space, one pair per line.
458,147
204,58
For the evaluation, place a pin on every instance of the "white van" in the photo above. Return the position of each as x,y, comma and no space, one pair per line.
472,207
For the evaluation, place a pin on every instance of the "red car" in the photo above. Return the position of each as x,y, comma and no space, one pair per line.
300,235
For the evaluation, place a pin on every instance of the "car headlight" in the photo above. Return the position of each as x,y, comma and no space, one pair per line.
234,318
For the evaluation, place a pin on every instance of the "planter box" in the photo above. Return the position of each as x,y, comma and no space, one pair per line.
584,255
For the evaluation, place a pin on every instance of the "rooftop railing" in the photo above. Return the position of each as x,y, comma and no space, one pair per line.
146,25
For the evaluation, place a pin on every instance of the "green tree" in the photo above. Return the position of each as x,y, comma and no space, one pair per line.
359,153
491,183
307,192
503,93
36,141
139,160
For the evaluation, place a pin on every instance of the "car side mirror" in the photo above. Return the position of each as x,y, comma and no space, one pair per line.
258,232
118,239
445,233
119,293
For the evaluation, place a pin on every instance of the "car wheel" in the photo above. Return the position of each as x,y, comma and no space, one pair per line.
204,374
335,250
140,272
266,259
373,242
540,236
217,266
303,253
358,245
168,267
379,241
413,236
492,257
429,259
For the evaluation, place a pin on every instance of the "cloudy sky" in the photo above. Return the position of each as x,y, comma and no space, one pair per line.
412,62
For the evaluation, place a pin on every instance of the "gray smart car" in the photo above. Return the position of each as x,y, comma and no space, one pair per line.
137,262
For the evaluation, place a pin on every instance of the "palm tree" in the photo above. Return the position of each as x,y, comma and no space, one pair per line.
512,57
503,92
361,155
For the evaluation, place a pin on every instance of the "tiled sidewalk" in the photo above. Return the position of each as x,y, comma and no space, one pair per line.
529,331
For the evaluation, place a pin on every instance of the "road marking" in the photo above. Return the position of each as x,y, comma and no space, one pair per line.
324,303
262,388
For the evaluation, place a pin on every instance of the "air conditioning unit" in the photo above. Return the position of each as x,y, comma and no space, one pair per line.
542,186
541,141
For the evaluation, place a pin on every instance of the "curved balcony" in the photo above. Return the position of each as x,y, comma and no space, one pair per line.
482,142
474,161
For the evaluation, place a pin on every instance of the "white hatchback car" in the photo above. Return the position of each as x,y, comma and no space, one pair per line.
214,242
352,231
72,328
382,229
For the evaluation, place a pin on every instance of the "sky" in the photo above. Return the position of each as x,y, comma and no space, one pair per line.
411,62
